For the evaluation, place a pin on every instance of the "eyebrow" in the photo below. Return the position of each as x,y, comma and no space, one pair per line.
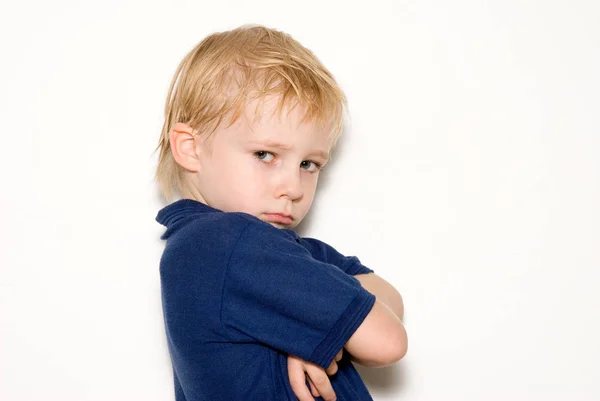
279,145
322,153
272,144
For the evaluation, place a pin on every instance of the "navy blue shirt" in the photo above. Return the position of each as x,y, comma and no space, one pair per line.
240,295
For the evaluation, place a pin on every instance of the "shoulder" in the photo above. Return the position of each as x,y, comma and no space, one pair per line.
210,237
313,244
328,254
217,226
319,249
241,232
264,236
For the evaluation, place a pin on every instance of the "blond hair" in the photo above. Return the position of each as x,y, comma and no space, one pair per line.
217,79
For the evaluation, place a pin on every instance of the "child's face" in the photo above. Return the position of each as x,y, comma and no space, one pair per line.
265,167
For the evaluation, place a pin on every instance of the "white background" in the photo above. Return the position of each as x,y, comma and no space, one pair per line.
469,177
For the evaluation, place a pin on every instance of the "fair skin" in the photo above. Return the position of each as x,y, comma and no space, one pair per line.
269,167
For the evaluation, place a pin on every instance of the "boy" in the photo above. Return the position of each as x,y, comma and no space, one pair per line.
252,311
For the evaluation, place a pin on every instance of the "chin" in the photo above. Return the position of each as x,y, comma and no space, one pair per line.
282,226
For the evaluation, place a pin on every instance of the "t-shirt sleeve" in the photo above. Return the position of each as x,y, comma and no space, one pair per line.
277,294
326,253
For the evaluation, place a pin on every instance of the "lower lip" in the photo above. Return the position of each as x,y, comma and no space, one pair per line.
277,218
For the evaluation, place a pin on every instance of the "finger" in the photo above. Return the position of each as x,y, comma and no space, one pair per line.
332,369
313,389
321,381
338,357
298,381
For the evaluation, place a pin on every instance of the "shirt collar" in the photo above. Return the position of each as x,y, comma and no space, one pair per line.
178,210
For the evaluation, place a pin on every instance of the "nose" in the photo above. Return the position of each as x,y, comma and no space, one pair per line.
289,185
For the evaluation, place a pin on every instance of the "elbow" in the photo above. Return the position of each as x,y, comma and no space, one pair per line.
401,346
396,347
380,340
398,307
392,348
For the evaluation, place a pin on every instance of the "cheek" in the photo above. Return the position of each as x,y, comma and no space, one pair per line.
310,186
312,180
249,178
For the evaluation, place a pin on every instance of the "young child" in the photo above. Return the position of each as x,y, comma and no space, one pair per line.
252,311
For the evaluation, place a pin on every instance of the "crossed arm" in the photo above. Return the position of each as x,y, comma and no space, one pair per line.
379,341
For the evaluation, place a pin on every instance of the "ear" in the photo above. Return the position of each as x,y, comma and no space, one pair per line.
183,146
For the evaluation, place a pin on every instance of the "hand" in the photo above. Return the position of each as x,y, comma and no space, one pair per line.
333,367
318,379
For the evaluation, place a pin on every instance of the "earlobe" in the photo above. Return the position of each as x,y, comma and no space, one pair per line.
183,147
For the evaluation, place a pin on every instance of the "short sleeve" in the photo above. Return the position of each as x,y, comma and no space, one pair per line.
276,293
326,253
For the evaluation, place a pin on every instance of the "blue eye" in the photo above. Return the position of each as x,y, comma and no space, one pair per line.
310,166
264,156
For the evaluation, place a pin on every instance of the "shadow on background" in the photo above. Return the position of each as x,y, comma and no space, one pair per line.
325,176
384,381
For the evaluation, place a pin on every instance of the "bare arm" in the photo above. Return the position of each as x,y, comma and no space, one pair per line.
381,339
383,291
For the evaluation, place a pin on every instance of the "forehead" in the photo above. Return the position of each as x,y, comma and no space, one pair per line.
261,120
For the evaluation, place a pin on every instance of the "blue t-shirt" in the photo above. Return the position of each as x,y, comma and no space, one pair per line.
239,295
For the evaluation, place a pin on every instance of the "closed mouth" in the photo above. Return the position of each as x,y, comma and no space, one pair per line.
279,218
